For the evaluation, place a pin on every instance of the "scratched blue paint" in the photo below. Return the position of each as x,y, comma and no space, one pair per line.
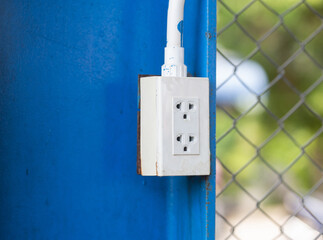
68,88
180,28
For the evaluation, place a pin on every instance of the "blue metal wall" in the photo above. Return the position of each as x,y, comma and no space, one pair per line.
68,107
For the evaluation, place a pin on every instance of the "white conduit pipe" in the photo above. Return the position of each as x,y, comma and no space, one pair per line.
174,52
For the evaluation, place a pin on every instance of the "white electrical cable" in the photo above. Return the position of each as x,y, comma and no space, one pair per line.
174,52
175,23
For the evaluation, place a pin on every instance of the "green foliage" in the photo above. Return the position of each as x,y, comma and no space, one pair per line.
281,29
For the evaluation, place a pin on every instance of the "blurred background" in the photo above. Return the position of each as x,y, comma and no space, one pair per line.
269,119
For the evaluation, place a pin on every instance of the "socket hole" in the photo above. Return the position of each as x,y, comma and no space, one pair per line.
179,138
191,138
190,106
185,149
178,105
185,116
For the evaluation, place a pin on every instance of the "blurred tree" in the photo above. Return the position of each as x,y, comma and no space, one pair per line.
286,38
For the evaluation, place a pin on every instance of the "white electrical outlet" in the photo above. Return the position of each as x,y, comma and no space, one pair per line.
174,126
186,126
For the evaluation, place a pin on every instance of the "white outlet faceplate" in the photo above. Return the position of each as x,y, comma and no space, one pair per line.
186,126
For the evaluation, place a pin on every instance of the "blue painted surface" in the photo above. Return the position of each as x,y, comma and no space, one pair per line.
180,28
68,89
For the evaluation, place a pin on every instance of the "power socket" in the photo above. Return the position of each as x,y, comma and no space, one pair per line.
186,126
174,126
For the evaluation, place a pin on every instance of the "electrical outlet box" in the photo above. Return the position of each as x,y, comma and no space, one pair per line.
174,126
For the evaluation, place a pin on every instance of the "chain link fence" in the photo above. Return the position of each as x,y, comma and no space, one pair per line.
270,119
